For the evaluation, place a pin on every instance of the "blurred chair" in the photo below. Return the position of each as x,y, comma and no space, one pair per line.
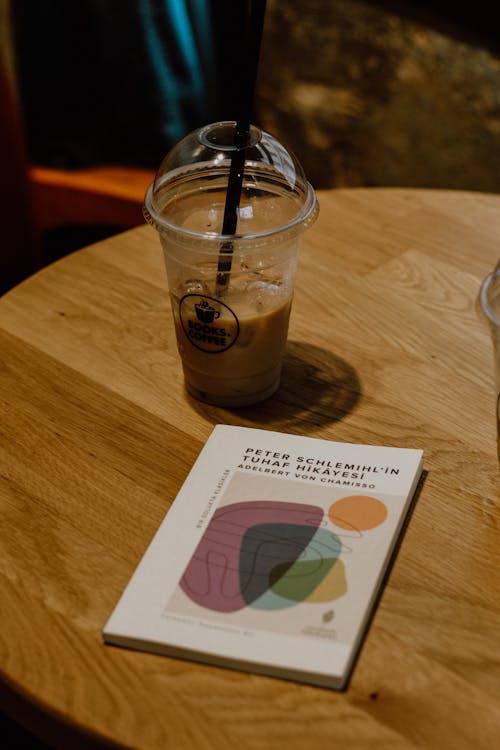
93,196
20,245
37,199
90,100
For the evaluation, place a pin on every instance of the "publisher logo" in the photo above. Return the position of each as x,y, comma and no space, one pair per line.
209,324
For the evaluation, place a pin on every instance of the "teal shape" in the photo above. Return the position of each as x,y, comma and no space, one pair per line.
294,580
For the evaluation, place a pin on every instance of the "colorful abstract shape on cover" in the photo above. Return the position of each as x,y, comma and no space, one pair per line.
266,555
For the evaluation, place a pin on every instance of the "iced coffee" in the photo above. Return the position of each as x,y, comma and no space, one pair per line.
232,350
231,338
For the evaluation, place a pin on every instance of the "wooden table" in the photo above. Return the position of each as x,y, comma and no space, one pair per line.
97,436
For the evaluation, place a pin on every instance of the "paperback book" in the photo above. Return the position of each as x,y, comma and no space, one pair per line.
272,555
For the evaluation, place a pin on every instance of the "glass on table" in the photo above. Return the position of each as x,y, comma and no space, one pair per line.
231,295
489,301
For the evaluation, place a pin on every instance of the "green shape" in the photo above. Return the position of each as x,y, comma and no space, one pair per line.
301,578
294,581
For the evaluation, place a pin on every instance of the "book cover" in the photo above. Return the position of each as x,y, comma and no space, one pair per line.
272,555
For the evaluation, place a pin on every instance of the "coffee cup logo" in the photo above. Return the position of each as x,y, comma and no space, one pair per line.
209,324
205,312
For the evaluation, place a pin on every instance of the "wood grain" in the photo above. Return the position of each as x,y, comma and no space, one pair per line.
97,435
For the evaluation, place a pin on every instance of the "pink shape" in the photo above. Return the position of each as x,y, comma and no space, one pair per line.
212,577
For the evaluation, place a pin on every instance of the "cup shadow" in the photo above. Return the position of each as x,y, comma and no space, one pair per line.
317,388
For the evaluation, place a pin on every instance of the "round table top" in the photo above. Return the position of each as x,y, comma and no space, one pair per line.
97,435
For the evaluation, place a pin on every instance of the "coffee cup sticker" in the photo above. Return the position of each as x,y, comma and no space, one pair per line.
205,312
209,324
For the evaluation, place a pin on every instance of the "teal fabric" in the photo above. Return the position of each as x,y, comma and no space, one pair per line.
114,81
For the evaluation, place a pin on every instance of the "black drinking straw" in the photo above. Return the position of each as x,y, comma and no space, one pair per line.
252,36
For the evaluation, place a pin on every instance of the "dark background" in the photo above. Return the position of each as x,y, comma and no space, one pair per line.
91,93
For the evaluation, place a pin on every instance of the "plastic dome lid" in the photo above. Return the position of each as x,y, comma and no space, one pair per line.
188,194
489,296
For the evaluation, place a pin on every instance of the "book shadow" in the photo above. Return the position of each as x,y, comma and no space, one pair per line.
317,388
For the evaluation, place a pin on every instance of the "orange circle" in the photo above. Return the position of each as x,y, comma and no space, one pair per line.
357,512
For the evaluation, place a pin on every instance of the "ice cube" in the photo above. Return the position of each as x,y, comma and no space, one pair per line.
264,293
194,286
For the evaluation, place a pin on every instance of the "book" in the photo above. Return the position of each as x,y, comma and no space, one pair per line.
272,555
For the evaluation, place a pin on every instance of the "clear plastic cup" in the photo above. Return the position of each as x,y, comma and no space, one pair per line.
489,301
231,295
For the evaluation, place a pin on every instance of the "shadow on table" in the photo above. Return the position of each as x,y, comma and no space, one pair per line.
14,736
317,388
